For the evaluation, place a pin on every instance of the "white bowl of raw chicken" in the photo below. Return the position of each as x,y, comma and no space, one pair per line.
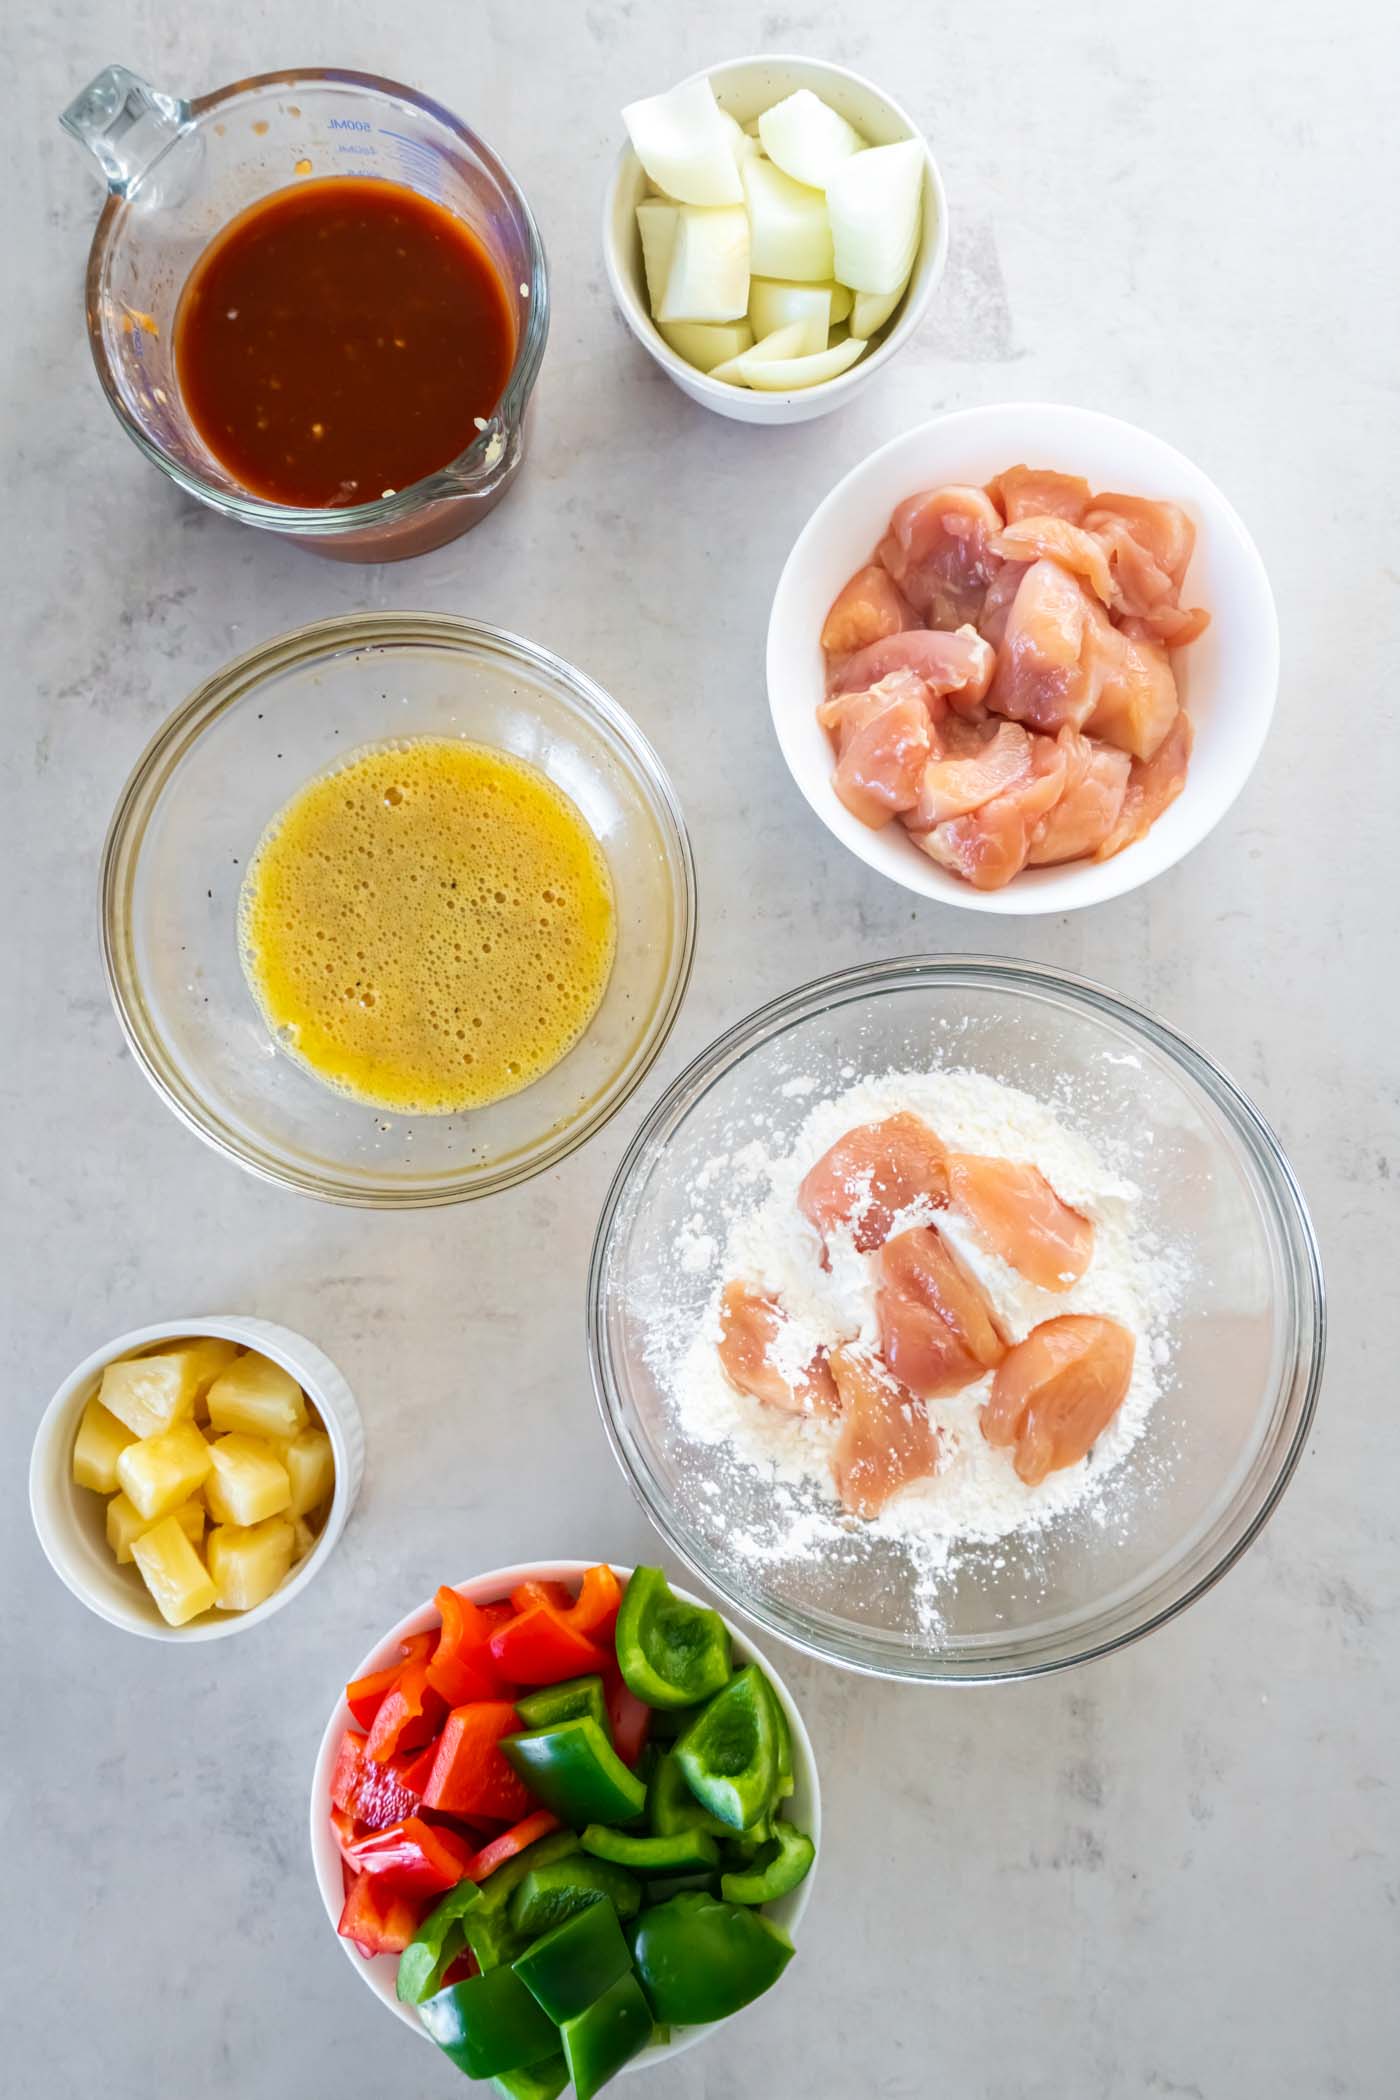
1228,678
745,87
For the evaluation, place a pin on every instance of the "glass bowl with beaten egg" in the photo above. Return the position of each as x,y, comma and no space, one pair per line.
397,909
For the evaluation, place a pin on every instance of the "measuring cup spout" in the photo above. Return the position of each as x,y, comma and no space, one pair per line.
125,123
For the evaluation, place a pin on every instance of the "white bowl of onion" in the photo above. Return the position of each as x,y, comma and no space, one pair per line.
709,350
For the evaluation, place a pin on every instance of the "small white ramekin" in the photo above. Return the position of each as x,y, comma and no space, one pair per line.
746,87
381,1971
71,1520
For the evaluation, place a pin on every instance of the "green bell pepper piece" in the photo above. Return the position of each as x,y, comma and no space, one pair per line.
556,1890
598,2042
648,1758
571,1966
573,1769
670,1653
489,2024
701,1959
491,1939
487,1927
435,1946
667,1722
742,1847
544,2081
730,1752
498,1888
652,1855
779,1867
665,1886
671,1807
553,1703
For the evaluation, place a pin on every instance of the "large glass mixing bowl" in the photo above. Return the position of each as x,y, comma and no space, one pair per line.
223,766
1219,1444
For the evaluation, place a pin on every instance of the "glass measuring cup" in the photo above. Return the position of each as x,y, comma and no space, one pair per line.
177,172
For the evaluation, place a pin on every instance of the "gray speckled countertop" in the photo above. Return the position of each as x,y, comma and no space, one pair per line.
1172,1873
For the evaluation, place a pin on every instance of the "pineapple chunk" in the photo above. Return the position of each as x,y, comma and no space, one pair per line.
100,1441
190,1518
311,1470
304,1540
149,1393
173,1572
220,1355
125,1524
257,1397
160,1472
247,1564
249,1481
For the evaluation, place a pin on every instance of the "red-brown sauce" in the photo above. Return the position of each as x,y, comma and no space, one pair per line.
341,339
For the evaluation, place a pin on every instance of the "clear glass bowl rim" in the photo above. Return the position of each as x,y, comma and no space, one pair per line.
234,682
470,470
1299,1382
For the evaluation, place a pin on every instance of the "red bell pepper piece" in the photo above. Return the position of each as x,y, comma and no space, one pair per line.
628,1717
365,1695
378,1918
461,1971
375,1795
539,1646
345,1772
414,1771
526,1594
461,1668
470,1777
417,1857
505,1847
595,1613
343,1824
408,1715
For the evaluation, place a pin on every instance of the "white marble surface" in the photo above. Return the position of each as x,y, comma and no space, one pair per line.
1173,1873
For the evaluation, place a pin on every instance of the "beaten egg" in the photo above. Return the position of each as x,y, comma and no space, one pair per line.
429,927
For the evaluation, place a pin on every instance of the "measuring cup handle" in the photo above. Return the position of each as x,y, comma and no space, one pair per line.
125,123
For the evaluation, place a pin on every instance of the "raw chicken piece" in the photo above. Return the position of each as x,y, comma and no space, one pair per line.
937,1330
1091,803
867,609
957,666
938,553
1162,530
1046,668
1057,1392
1153,785
750,1323
870,1175
1063,662
1016,1214
991,844
996,606
1174,626
886,1437
883,741
970,762
1149,548
1137,700
1055,539
1037,492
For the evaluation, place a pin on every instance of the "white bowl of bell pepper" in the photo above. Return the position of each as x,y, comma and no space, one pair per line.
565,1821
